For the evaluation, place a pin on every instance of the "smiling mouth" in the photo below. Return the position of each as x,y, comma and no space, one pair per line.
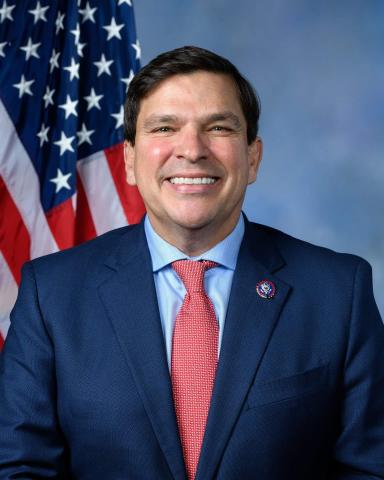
193,180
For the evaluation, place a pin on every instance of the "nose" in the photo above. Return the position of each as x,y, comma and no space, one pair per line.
191,145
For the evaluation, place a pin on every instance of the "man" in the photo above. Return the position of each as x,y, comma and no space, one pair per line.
106,373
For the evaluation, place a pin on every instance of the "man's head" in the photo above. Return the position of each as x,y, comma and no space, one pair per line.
183,61
190,147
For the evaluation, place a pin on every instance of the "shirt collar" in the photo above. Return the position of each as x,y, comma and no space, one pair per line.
225,253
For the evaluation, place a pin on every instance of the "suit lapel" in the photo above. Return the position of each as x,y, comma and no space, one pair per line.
130,299
248,327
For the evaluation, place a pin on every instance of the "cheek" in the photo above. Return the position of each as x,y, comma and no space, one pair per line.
151,155
227,146
233,156
156,150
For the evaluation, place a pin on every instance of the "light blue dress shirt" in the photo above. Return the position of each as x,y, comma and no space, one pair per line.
170,289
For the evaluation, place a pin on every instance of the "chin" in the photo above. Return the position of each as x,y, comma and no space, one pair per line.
194,223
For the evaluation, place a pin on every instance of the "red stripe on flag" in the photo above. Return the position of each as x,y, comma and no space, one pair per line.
61,221
15,241
130,198
1,342
85,228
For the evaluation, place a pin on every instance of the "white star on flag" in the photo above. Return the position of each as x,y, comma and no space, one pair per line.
24,86
53,61
70,107
5,11
30,49
73,69
61,180
65,143
113,29
76,33
103,65
48,97
2,46
80,48
39,13
43,134
137,49
128,80
128,2
119,117
93,100
84,135
88,13
59,22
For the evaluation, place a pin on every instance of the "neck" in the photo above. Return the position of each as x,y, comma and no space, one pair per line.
194,242
194,245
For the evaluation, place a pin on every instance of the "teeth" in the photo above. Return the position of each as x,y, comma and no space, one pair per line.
192,181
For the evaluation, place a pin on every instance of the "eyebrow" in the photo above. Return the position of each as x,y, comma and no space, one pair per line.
224,116
156,119
211,118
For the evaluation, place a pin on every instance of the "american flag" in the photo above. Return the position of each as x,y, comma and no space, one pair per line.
65,67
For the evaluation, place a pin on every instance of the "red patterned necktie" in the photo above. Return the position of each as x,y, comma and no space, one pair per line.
194,359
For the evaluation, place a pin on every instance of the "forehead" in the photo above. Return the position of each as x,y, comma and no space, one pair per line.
190,92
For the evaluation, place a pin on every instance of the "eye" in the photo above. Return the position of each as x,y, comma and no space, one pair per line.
163,129
220,128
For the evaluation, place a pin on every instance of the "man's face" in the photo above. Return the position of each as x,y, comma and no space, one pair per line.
191,161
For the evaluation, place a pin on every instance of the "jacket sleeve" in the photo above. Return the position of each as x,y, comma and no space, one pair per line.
359,450
32,445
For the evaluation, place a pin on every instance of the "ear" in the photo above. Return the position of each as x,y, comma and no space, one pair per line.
255,153
129,160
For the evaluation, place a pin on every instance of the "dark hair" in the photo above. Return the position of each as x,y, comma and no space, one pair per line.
183,61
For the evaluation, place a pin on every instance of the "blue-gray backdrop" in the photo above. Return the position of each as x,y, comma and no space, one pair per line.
319,70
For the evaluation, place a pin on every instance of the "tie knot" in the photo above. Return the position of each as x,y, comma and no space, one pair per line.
192,272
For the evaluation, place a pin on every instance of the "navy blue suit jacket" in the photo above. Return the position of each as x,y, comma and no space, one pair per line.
85,389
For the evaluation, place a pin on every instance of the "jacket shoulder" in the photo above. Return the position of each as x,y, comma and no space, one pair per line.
81,257
306,255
